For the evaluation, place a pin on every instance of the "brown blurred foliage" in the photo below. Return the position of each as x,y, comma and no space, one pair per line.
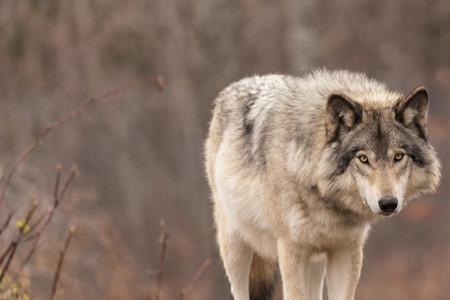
140,156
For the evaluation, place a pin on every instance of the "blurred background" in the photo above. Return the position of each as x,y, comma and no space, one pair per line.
139,155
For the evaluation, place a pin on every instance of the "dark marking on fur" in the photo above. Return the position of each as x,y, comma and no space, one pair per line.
348,216
261,148
248,127
377,120
416,154
248,124
377,138
412,149
344,160
314,189
253,147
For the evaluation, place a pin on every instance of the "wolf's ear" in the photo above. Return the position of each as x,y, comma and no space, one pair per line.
412,111
343,115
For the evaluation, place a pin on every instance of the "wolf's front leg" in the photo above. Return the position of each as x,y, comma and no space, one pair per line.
292,261
315,276
237,258
344,268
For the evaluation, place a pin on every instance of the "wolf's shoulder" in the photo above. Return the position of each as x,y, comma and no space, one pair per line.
258,84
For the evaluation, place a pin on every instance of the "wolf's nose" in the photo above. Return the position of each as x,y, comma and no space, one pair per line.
388,204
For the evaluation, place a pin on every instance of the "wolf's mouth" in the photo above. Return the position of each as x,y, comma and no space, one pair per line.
387,214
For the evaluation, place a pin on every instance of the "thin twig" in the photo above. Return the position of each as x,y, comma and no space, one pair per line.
72,175
62,255
162,258
6,223
11,252
5,253
158,81
29,215
35,225
12,248
184,291
58,179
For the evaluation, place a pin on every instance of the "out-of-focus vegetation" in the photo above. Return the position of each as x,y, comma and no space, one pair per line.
140,155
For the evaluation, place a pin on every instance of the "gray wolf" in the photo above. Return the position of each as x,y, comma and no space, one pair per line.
300,167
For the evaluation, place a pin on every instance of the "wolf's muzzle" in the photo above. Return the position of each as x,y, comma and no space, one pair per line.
388,204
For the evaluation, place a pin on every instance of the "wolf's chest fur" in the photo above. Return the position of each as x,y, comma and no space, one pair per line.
241,197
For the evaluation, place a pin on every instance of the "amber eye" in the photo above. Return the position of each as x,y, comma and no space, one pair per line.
364,159
398,157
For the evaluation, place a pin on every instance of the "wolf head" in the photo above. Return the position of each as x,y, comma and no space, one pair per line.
378,156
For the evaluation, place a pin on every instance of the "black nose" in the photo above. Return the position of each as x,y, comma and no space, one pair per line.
388,204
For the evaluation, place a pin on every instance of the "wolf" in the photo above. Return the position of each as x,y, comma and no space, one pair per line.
299,169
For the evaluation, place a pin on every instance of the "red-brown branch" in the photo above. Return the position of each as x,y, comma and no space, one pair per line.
162,258
62,255
185,291
6,223
58,179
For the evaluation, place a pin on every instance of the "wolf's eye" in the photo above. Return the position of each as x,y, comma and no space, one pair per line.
364,159
398,157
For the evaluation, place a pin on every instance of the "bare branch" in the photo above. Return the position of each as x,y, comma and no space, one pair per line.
10,255
162,257
184,291
72,175
62,255
6,223
6,253
58,179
